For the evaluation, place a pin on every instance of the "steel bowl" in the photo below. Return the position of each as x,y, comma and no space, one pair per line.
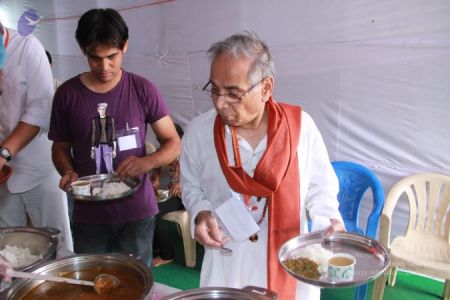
40,241
77,265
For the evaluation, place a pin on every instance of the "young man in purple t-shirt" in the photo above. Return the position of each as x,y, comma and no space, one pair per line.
132,102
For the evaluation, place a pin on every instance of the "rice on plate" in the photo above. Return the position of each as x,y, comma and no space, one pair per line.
317,253
111,189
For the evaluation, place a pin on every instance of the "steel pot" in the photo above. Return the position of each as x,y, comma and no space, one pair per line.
40,241
78,264
246,293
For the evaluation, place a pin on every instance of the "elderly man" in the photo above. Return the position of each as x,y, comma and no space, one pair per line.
250,168
25,104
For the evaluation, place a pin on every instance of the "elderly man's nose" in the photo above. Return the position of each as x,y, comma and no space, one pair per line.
221,101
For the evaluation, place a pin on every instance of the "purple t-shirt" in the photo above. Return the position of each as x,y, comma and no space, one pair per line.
134,100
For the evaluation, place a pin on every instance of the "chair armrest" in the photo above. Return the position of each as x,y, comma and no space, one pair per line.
386,215
385,231
378,204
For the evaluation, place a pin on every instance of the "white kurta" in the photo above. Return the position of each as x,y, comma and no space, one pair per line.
27,97
204,187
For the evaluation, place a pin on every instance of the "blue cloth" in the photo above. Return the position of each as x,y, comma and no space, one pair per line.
2,53
127,238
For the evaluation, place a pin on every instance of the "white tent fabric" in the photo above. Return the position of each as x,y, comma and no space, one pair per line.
375,75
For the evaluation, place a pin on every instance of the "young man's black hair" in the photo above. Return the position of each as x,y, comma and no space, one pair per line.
101,26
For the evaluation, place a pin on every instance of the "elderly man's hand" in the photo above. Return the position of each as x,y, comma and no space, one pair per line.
335,225
207,231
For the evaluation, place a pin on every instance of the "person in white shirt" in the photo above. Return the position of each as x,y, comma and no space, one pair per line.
25,105
250,169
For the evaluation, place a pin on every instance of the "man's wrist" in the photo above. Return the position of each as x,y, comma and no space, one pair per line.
5,153
68,172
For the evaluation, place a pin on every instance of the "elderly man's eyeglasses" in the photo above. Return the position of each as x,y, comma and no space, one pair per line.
231,97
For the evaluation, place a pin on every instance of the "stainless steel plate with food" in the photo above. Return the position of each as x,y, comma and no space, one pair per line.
103,187
308,258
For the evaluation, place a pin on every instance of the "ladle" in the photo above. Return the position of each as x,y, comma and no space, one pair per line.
103,283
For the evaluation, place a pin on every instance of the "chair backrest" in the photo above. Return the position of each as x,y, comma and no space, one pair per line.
354,180
428,196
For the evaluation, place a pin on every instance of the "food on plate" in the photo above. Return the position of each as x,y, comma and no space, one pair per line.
304,267
19,257
340,261
110,189
81,187
316,253
341,267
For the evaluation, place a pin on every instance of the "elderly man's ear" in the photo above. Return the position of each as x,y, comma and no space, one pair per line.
267,87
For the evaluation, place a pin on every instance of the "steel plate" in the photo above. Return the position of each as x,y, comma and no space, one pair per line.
99,180
372,258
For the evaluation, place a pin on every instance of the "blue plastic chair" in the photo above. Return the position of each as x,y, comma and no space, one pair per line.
354,181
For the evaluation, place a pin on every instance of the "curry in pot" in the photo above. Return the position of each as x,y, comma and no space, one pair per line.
131,287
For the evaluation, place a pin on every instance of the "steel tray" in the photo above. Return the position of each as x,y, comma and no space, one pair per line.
372,258
99,180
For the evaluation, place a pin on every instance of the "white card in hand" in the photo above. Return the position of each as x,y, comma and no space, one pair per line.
236,219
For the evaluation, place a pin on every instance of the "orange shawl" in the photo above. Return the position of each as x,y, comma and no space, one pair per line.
277,178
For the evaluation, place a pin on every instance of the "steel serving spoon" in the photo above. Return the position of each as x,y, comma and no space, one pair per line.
103,283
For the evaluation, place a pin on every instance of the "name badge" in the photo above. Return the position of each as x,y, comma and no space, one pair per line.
128,138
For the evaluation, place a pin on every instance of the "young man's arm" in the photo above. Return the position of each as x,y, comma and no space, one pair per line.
168,151
62,160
